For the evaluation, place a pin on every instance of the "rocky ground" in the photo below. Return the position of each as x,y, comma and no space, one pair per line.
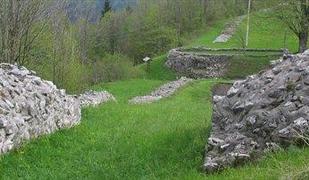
31,107
221,89
162,92
92,98
197,66
265,112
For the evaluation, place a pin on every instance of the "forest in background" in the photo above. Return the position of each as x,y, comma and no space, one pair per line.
76,53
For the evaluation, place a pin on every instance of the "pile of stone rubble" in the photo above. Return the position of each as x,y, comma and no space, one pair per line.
31,107
92,98
229,30
197,66
162,92
263,113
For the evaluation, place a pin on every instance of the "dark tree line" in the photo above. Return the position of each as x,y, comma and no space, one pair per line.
107,7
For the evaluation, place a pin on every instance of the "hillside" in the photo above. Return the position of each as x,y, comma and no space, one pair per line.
265,32
95,7
117,4
162,140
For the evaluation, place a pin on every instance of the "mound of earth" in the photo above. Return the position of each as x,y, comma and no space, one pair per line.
265,112
31,107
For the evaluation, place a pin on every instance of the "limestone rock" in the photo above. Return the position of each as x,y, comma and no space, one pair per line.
31,107
196,66
229,30
92,98
162,92
268,111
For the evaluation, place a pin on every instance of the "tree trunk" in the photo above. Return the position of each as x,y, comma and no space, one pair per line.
304,24
303,39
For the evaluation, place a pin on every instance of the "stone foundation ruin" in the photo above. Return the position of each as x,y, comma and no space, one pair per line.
31,107
92,98
210,63
164,91
265,112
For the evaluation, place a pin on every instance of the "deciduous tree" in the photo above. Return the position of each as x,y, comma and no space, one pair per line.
295,14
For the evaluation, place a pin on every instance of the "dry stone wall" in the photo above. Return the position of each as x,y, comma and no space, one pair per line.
229,30
164,91
265,112
197,66
92,98
200,62
31,107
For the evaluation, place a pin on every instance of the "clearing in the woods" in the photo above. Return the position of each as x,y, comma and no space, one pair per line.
163,140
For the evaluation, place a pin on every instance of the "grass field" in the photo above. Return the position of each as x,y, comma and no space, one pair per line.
157,70
265,32
163,140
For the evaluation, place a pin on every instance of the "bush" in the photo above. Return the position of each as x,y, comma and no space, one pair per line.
114,67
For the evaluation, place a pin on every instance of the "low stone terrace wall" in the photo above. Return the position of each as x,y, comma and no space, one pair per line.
203,62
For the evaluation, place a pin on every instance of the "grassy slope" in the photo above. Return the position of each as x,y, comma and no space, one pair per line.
157,70
265,32
163,140
118,141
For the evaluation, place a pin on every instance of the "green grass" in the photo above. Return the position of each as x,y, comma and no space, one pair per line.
164,140
157,70
119,141
241,66
235,53
265,32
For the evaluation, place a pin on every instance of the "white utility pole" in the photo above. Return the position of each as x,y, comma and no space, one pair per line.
248,24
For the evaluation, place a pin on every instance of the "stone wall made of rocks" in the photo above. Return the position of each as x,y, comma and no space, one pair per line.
265,112
229,30
164,91
31,107
196,66
92,98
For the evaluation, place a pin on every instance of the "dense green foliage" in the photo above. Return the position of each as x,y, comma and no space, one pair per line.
76,51
69,47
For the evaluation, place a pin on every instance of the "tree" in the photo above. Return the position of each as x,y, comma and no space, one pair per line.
295,14
107,7
19,28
